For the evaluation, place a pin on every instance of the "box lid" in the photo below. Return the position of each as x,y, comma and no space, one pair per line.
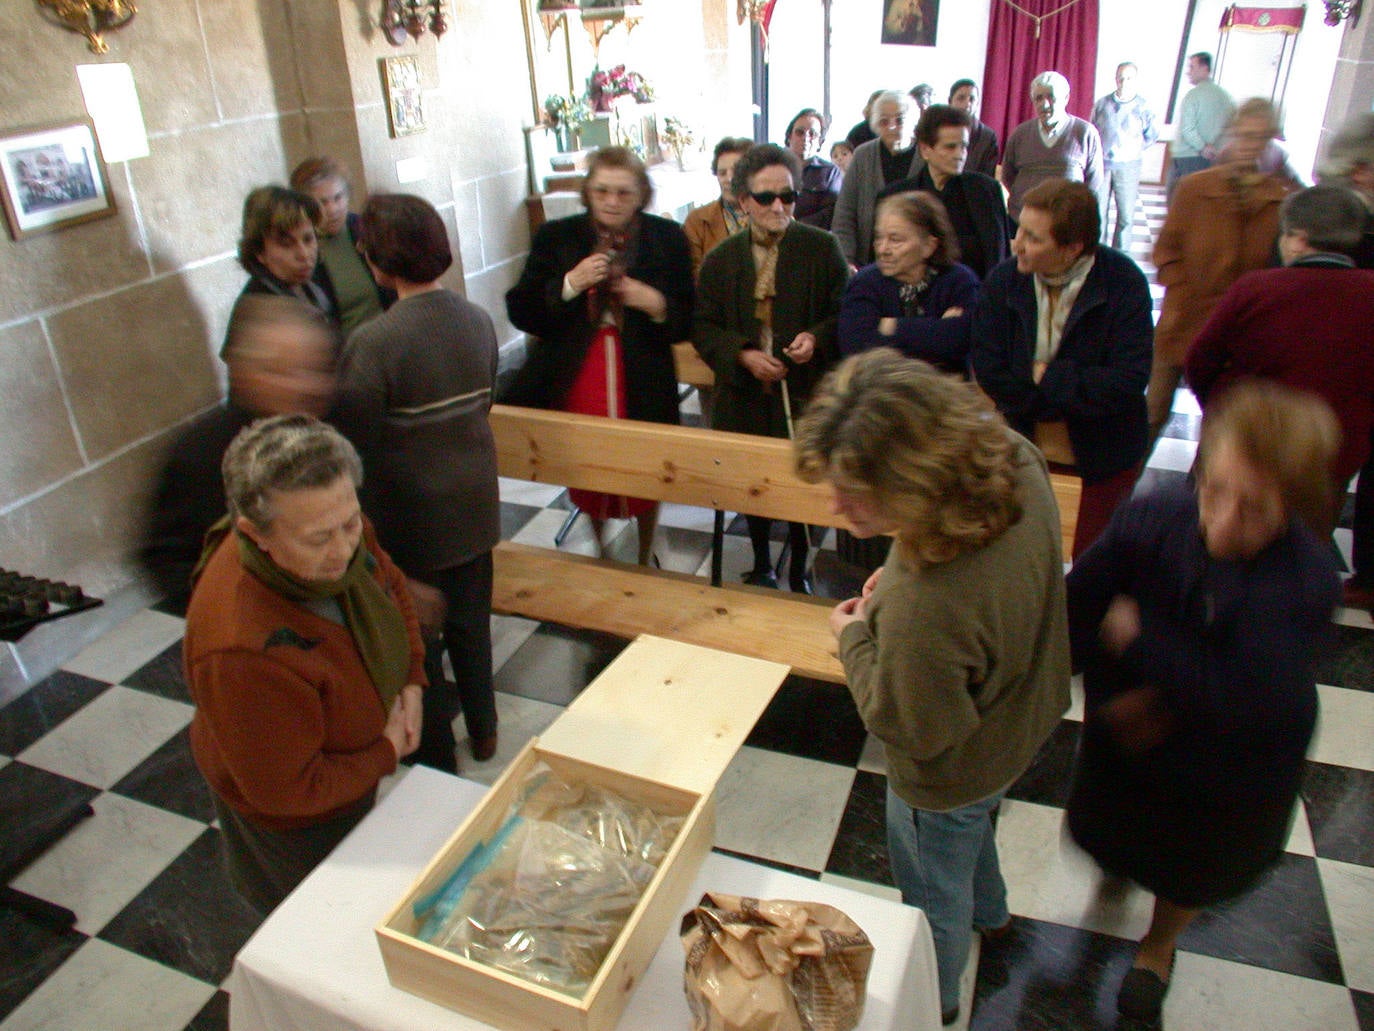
668,712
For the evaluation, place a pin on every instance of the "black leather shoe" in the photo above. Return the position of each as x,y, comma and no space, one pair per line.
948,1017
801,585
761,578
1142,995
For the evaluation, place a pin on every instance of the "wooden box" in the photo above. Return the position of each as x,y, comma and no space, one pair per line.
660,725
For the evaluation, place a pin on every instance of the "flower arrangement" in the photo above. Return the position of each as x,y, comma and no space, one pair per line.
678,135
566,112
603,87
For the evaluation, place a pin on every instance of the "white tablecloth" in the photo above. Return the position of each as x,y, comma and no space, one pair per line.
314,965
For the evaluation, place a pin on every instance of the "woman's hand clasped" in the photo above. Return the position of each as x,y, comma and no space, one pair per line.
403,722
639,295
592,269
851,610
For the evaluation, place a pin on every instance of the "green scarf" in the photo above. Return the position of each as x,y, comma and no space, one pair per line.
374,620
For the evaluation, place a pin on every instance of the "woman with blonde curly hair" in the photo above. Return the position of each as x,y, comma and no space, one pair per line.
957,650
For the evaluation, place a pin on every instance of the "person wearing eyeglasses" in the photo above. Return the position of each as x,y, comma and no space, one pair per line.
878,163
605,294
820,179
767,303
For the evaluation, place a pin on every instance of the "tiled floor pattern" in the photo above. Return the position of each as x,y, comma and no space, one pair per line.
158,927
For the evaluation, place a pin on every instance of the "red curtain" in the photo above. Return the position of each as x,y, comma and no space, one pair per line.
1064,40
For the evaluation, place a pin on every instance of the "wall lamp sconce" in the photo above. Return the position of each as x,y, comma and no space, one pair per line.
409,18
1338,11
90,18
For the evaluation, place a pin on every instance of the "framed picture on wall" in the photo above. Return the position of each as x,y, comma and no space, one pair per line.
53,176
405,107
910,22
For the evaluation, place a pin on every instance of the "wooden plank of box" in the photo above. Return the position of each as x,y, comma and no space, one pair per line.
659,726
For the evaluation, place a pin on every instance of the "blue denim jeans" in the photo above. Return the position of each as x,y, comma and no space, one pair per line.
946,865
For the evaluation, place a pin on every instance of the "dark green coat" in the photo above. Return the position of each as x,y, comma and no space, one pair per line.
811,279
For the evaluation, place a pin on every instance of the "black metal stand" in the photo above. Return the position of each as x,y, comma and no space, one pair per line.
29,601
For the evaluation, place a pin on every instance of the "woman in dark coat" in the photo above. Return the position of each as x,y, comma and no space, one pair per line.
916,297
1196,619
417,383
619,279
1062,342
767,302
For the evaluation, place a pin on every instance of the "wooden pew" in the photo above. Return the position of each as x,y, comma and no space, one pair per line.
727,472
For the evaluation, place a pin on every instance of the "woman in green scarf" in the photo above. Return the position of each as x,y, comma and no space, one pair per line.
302,654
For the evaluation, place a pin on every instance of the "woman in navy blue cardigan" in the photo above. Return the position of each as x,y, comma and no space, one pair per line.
1062,343
915,297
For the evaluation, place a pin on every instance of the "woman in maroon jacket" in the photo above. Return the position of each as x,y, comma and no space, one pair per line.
302,654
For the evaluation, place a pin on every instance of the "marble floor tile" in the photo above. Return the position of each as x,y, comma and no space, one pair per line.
109,737
213,1016
813,719
556,663
1173,454
127,647
1349,662
45,705
508,633
540,532
1348,890
1364,1009
162,675
1046,780
781,807
526,492
1340,809
103,987
34,805
1075,699
514,517
1354,618
169,779
1212,993
126,842
1300,835
1280,924
1047,977
679,550
873,759
521,719
859,851
687,517
1050,878
189,917
29,953
1345,732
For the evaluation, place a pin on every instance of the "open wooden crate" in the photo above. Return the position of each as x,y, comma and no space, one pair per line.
659,726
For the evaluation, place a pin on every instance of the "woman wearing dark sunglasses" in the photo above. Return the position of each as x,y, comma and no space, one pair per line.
767,301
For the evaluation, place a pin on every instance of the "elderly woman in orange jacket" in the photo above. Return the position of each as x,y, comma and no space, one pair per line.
1222,222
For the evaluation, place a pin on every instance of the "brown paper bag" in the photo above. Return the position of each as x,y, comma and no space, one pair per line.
761,965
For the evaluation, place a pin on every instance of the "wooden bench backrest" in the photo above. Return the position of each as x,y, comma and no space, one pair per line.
730,472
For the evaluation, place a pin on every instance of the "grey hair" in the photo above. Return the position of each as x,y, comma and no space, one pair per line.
1329,214
891,96
1054,81
284,453
1351,147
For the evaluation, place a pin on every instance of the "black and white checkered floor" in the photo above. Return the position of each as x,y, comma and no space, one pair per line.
158,927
